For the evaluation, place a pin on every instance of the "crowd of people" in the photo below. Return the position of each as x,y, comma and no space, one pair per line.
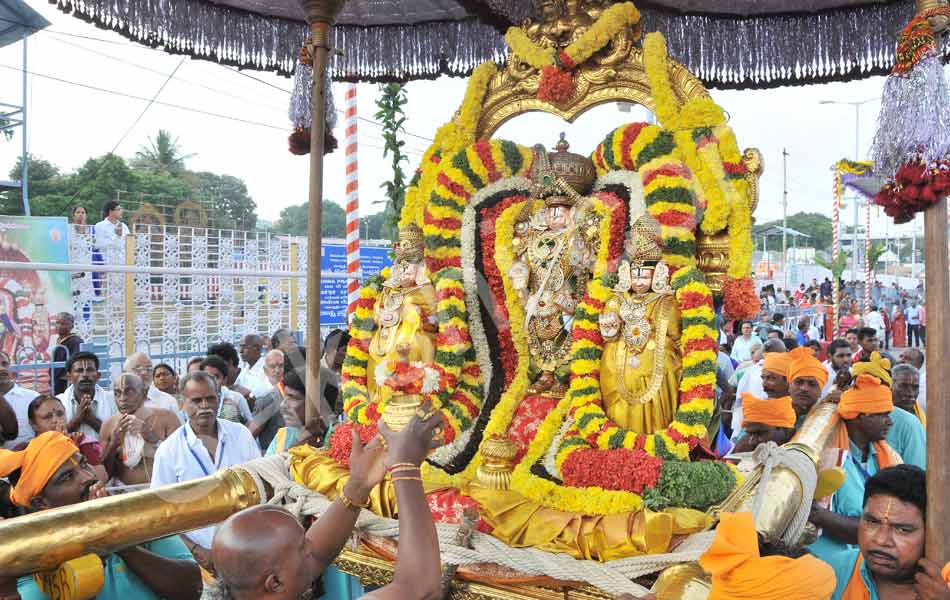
232,405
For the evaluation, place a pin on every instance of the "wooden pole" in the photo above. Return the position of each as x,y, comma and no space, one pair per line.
937,269
321,14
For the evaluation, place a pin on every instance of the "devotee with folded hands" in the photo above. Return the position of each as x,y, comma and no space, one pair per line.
263,552
52,473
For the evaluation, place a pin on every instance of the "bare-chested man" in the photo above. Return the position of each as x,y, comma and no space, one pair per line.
131,437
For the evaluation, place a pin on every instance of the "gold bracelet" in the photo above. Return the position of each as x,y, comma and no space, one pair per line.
406,478
345,500
395,466
405,470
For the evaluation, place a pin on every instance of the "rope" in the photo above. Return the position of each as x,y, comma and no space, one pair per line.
770,456
614,577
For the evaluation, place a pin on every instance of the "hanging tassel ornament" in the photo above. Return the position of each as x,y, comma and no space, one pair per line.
912,141
300,112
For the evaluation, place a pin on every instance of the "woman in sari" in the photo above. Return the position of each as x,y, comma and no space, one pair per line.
898,326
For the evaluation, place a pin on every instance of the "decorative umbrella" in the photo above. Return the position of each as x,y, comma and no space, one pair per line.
770,42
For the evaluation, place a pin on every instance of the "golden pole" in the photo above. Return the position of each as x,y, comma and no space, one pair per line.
46,539
321,14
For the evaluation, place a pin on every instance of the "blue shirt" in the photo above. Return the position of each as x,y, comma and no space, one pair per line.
285,438
847,501
120,583
843,565
908,438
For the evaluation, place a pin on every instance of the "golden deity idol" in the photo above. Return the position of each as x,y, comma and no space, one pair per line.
405,310
555,243
641,329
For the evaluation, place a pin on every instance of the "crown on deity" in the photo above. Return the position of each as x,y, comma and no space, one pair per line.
561,177
410,245
644,247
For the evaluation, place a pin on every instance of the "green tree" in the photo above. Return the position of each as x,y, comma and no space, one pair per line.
293,220
875,253
162,154
100,180
230,205
836,267
392,117
815,225
49,189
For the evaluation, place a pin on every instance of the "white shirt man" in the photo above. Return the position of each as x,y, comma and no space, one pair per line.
875,320
913,314
19,399
742,346
103,407
184,456
258,385
107,236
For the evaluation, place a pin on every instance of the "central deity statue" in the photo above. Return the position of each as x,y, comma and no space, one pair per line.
640,325
555,243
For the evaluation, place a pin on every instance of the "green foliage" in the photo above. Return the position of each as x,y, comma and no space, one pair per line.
156,175
293,220
696,485
6,134
392,117
162,154
875,253
815,225
836,267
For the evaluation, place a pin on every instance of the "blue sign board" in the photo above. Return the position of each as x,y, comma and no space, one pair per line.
333,291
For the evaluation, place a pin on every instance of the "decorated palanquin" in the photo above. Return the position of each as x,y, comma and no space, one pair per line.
562,308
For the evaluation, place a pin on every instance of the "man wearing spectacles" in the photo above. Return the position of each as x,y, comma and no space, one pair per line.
140,363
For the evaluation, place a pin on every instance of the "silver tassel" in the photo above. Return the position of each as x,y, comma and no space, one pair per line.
301,99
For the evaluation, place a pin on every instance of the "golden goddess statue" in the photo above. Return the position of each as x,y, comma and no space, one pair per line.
641,364
405,311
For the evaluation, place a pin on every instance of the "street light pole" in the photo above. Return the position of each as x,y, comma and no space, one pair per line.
785,216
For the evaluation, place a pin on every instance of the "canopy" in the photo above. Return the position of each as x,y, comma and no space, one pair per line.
16,18
726,43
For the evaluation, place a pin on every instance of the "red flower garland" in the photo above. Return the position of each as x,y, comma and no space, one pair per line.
619,469
916,187
556,86
341,441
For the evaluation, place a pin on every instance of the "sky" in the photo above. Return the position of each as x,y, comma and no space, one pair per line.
246,135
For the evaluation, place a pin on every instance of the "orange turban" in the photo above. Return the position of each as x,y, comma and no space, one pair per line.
774,413
804,364
867,397
740,573
777,362
43,456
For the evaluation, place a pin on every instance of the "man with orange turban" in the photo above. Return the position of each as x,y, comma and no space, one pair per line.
889,560
51,473
766,420
806,379
765,380
741,569
865,412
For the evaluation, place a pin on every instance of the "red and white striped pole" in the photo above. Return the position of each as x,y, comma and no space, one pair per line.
352,199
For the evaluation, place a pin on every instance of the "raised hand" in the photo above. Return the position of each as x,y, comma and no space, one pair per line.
367,467
412,444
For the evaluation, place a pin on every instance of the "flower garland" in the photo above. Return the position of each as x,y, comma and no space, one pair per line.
449,139
916,186
710,150
556,66
356,404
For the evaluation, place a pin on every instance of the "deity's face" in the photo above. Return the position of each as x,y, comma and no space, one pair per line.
404,273
609,325
559,217
641,280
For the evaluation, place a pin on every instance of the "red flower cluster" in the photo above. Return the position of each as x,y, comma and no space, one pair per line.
618,469
299,141
406,378
557,85
741,301
341,441
916,186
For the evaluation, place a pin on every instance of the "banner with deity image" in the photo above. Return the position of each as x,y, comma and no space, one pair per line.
29,299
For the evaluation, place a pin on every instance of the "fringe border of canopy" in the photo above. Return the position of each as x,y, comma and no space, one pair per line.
849,41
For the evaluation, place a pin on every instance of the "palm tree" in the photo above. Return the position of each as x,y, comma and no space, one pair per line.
836,266
162,154
875,253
